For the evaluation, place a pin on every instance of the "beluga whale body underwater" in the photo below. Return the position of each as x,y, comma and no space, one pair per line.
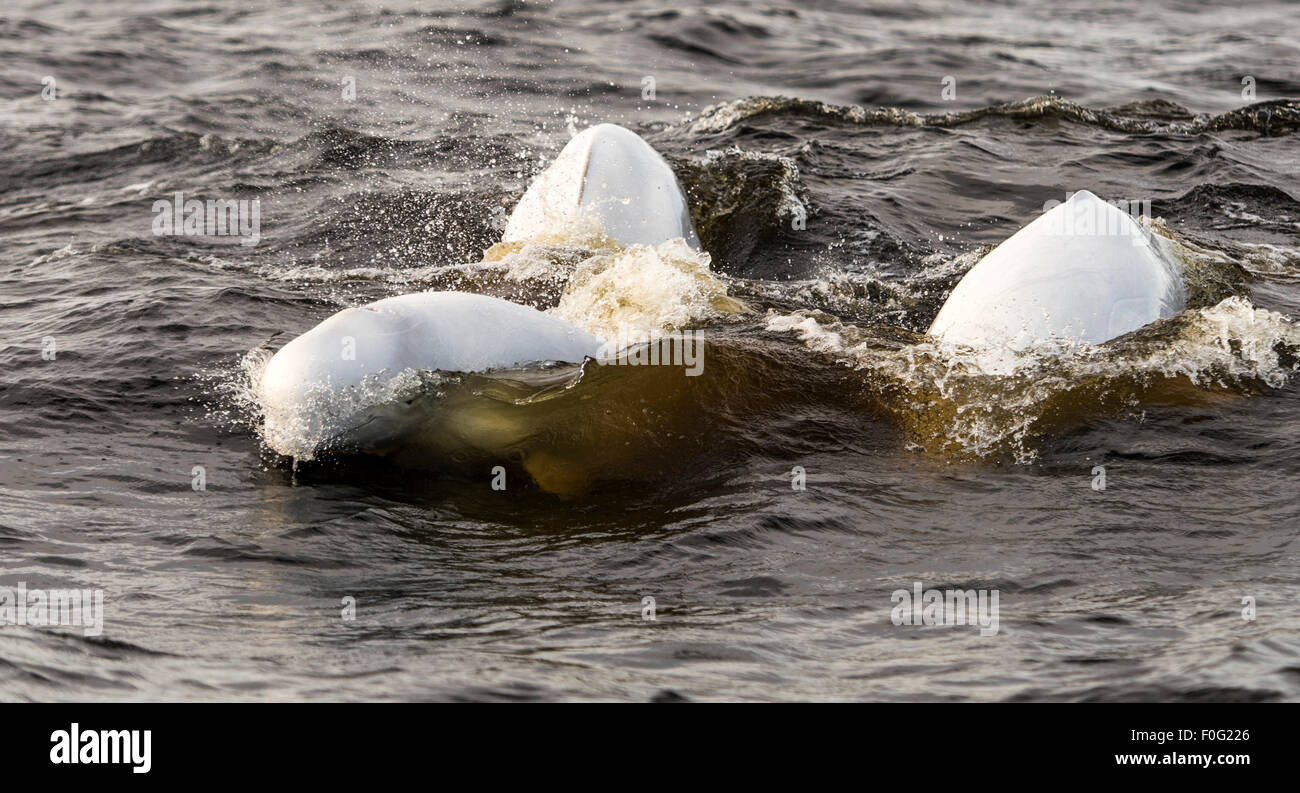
347,385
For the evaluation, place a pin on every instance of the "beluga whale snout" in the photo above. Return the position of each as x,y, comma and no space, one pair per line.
1083,272
609,175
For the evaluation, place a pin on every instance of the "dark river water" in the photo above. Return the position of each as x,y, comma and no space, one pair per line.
846,163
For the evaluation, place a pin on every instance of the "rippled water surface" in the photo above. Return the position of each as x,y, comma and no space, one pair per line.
919,468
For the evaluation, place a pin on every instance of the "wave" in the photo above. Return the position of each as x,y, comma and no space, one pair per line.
1270,118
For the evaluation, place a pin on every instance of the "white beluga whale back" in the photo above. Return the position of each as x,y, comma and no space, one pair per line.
609,175
1083,272
327,385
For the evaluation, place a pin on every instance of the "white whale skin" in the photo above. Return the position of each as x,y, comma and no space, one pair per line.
446,331
1085,271
609,174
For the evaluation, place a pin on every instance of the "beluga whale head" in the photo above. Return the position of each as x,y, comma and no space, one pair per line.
1084,272
356,380
608,175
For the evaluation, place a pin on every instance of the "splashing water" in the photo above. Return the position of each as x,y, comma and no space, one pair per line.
950,405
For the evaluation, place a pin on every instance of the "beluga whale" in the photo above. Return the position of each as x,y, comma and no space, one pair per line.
335,387
609,175
1084,272
347,384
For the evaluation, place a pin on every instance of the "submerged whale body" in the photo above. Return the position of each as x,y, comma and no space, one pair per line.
1083,272
609,175
313,391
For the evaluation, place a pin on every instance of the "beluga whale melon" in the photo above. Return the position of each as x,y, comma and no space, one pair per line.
1084,272
609,175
